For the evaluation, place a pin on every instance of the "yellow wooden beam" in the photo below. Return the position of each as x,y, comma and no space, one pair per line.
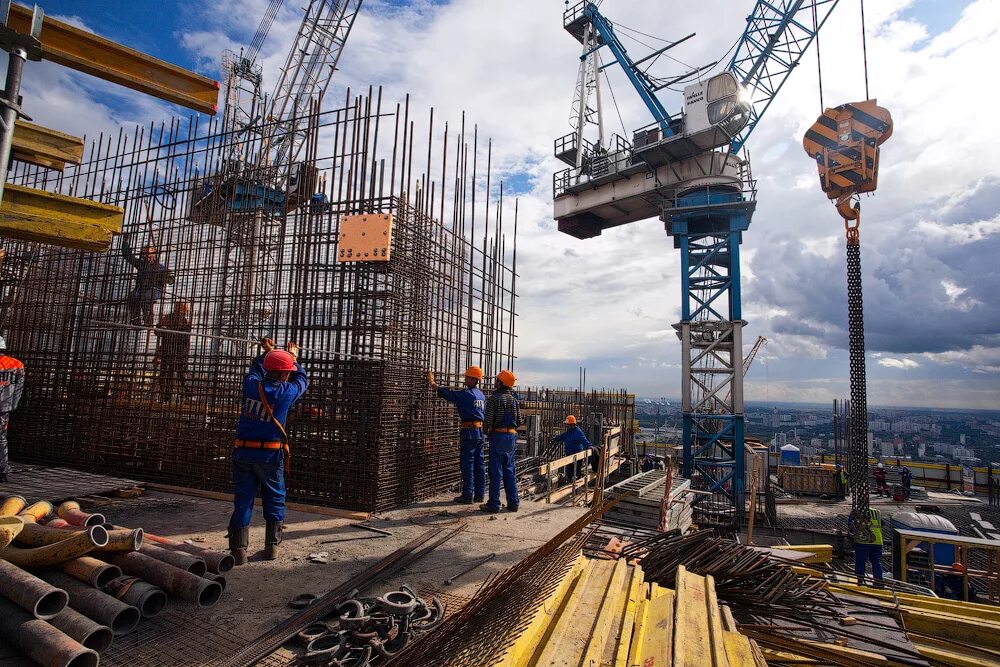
639,627
608,615
35,215
86,52
45,147
657,636
629,616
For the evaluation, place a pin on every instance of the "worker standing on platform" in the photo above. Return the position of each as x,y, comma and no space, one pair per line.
261,455
840,479
11,388
151,280
470,403
503,417
879,474
574,441
868,546
172,351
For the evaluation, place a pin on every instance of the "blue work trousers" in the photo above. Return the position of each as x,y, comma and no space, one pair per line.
868,552
473,463
503,447
255,469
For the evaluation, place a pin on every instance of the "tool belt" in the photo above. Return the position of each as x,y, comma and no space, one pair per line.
504,430
472,424
259,444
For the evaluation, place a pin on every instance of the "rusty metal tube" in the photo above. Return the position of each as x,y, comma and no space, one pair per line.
91,571
218,562
123,540
146,597
27,591
58,523
44,643
174,581
11,505
184,561
70,512
36,535
36,511
10,527
96,605
88,632
74,546
217,578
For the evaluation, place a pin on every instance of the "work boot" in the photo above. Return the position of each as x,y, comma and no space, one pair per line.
477,499
239,540
485,507
512,508
272,538
464,500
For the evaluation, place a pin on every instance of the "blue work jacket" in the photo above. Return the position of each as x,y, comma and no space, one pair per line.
470,402
574,440
254,422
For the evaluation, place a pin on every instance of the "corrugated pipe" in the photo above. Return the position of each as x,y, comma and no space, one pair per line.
70,512
96,605
217,578
36,511
184,561
10,527
149,599
45,644
174,581
217,561
91,571
43,600
74,546
11,505
88,632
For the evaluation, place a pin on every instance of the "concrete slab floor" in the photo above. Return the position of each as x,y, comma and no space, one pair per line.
257,594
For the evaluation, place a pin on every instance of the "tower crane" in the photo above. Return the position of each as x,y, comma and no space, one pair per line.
690,170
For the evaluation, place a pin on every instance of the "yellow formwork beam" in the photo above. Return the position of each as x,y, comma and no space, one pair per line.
971,631
86,52
955,658
635,592
694,623
35,215
607,615
45,147
657,635
639,627
984,612
579,620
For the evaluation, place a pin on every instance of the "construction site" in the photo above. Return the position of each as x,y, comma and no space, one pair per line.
303,300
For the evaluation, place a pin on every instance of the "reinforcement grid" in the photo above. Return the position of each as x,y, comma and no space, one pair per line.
249,253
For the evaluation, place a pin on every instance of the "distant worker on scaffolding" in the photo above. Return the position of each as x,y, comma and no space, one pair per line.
867,546
503,417
471,403
172,352
11,388
152,278
261,454
574,441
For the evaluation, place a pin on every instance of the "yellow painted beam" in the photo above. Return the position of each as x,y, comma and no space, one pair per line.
35,215
944,656
629,616
971,631
984,612
608,614
44,147
657,636
720,656
576,622
639,627
86,52
694,643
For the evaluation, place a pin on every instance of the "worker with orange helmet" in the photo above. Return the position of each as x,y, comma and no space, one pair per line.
574,441
275,381
470,403
503,417
954,585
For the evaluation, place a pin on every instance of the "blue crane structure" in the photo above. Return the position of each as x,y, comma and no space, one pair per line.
687,169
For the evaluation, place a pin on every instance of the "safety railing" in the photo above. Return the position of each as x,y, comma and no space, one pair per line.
953,566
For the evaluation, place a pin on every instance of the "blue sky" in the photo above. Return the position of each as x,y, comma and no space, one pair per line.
930,237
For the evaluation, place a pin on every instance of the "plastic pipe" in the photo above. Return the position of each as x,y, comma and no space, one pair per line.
218,562
143,595
78,544
70,512
11,505
91,571
184,561
45,644
10,527
88,632
36,511
95,604
27,591
217,578
174,581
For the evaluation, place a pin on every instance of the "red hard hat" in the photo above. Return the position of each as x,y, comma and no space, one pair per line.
279,360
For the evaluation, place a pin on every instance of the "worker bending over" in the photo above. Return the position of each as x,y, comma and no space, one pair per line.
470,403
502,419
867,546
275,381
11,388
151,279
574,441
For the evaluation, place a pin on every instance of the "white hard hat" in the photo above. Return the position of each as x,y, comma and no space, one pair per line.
880,465
3,343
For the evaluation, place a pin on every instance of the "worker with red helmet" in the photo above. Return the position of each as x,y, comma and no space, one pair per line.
470,403
574,441
503,417
260,455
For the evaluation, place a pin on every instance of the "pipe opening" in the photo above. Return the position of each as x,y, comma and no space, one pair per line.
99,534
138,539
100,639
50,604
85,659
95,520
153,603
125,621
210,594
226,563
198,568
106,575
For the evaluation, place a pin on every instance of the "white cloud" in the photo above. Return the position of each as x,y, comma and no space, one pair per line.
902,364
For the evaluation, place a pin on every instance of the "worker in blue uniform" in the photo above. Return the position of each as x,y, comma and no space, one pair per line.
152,278
574,441
867,534
502,419
261,455
471,405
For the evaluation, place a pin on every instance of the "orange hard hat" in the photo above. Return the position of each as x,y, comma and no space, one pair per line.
474,372
507,378
958,567
279,360
570,421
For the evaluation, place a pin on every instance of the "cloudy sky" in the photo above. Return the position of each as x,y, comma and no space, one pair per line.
930,235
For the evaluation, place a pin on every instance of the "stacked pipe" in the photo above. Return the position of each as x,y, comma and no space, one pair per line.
70,582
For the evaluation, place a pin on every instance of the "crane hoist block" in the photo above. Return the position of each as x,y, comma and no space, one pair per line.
845,142
365,237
